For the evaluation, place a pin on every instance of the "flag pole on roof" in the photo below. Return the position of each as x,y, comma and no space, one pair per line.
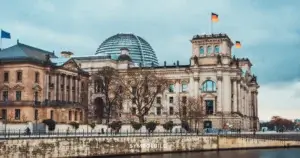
4,34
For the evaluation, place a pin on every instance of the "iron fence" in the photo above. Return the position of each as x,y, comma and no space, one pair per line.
42,134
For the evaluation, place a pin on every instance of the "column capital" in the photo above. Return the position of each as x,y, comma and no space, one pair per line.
234,78
219,78
196,78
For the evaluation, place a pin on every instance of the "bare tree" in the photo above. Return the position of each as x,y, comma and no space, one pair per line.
191,110
107,83
142,86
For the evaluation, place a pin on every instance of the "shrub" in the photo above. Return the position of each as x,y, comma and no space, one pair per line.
92,125
168,125
185,125
50,123
136,125
151,126
115,125
75,125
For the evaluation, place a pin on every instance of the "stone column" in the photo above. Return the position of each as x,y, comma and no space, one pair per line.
239,96
65,89
255,104
191,86
219,94
55,86
177,87
79,90
47,85
196,90
71,90
227,94
247,103
235,109
59,77
76,89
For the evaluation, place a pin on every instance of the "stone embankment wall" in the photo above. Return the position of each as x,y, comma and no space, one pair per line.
80,147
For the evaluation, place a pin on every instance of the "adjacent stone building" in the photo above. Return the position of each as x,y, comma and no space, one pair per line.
36,85
225,83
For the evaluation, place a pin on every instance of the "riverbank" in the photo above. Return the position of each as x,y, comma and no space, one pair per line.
255,153
112,146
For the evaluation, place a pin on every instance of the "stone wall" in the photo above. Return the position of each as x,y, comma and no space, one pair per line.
95,146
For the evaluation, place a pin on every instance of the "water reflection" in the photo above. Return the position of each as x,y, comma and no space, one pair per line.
263,153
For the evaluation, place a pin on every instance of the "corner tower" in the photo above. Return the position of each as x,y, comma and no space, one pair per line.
211,45
211,49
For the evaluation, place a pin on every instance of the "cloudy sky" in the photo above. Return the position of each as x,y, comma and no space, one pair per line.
269,32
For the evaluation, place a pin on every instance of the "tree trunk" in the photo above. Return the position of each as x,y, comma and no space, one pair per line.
141,119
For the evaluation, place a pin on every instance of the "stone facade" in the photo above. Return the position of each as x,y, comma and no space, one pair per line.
37,89
225,83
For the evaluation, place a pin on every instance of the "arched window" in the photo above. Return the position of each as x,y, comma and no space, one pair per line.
209,50
209,86
184,87
171,88
217,49
201,50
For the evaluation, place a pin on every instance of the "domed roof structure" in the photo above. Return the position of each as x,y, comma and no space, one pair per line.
140,50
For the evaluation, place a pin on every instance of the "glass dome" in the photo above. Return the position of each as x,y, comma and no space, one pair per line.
140,50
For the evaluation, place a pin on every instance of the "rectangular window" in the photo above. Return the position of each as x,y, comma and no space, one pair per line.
17,114
19,76
75,115
18,95
158,110
158,100
80,115
184,100
6,76
37,77
133,100
36,114
36,96
159,88
209,104
51,115
133,90
171,99
171,88
133,111
4,114
49,95
70,115
171,110
5,95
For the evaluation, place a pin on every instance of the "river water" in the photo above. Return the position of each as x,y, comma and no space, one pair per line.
256,153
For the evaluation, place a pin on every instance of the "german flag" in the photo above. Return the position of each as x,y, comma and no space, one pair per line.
238,44
214,17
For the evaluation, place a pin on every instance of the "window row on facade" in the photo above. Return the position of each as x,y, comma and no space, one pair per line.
207,86
209,49
78,116
19,76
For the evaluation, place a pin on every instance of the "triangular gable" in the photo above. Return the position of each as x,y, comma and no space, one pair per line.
18,87
71,65
5,88
208,95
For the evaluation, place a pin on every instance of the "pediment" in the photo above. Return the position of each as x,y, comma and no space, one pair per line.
208,95
18,87
37,87
71,65
5,88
